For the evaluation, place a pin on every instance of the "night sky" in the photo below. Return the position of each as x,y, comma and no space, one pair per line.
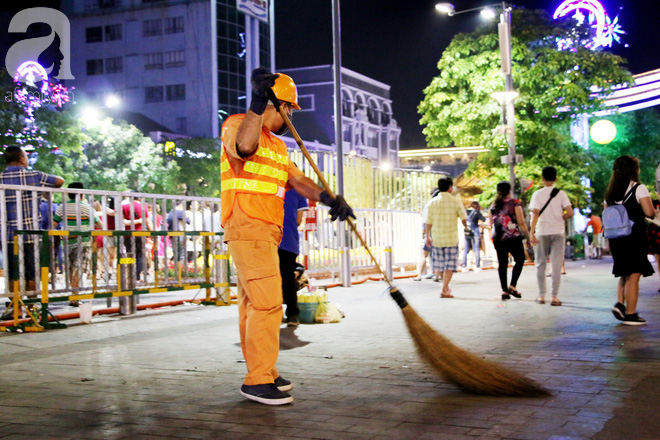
399,42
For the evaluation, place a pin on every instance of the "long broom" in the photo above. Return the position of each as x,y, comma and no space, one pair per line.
462,368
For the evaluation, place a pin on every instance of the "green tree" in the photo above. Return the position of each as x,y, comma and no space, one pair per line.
638,134
118,157
553,86
199,163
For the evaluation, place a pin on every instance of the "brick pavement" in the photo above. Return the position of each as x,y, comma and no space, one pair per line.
175,374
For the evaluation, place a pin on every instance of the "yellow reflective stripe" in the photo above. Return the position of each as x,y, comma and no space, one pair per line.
266,170
249,185
224,166
269,154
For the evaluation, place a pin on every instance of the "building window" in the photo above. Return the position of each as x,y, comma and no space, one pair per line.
113,32
94,67
153,61
114,65
175,58
307,103
176,92
181,125
91,5
103,4
94,34
153,94
151,28
174,25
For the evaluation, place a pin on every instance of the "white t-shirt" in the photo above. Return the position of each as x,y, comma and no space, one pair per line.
551,221
640,192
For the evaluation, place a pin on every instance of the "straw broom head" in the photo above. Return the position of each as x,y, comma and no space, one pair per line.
462,368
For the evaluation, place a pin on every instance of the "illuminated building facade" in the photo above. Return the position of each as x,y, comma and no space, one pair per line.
369,128
181,63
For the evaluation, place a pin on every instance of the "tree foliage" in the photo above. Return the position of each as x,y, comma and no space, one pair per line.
118,157
553,86
199,163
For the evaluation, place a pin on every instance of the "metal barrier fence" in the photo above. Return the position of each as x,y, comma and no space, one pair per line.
214,261
398,230
381,229
116,212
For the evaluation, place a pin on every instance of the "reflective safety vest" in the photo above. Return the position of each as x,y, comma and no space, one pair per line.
259,187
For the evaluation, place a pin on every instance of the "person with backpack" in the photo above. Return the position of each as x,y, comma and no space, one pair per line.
628,249
550,209
509,229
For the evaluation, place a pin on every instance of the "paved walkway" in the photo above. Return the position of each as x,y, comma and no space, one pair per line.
175,374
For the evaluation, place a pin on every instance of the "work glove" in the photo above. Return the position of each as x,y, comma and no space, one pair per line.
261,81
339,208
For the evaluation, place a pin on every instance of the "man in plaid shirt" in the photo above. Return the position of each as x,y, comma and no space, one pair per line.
441,220
17,173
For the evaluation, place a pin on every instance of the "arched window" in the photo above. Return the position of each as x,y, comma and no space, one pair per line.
346,105
386,115
373,112
359,108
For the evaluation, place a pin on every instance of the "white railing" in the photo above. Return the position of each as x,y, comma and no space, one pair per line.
381,229
203,215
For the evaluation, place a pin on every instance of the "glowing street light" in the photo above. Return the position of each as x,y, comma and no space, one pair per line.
603,132
112,101
488,13
445,8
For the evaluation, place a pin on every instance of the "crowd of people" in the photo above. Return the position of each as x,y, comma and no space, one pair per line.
543,235
74,254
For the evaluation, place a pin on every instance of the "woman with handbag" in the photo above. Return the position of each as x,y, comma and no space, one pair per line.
509,229
629,251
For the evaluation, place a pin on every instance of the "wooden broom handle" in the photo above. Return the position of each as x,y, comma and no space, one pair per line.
324,183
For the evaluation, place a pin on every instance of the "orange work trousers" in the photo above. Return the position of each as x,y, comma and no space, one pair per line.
259,307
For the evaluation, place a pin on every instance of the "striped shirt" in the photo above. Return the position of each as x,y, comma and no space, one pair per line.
18,175
444,211
87,217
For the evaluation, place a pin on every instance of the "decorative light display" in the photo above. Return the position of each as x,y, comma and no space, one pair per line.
608,31
32,72
32,91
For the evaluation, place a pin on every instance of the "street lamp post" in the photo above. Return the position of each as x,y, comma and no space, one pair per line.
507,97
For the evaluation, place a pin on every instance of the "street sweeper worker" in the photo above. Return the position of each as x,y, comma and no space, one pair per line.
256,172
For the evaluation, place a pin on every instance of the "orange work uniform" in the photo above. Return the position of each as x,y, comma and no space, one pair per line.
252,202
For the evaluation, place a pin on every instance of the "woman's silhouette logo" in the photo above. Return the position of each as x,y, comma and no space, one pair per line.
52,51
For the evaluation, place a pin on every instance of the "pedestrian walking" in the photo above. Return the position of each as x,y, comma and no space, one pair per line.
472,235
597,233
550,209
255,171
629,251
424,250
445,210
509,230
